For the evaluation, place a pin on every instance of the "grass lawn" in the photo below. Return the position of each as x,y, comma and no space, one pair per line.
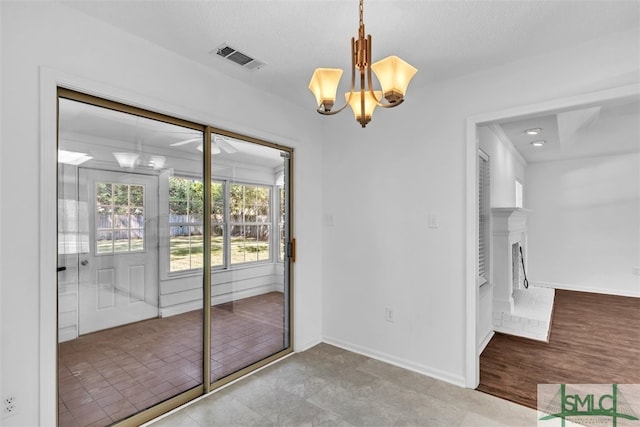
186,252
184,256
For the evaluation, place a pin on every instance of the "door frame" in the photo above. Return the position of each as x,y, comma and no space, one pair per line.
472,356
50,80
151,239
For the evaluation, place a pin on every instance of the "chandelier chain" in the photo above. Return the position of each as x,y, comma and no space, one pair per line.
361,13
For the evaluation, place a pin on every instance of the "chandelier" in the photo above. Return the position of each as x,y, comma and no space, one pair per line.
393,73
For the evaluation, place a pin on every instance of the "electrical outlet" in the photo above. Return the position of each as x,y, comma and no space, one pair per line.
389,315
9,404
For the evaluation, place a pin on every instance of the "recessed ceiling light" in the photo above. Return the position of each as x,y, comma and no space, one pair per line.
538,143
534,131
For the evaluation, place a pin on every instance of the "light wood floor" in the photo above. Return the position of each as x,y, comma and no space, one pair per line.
595,339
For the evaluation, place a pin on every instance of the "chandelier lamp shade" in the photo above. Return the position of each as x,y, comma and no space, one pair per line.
393,73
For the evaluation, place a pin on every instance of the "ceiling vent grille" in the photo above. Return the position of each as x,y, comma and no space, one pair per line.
242,59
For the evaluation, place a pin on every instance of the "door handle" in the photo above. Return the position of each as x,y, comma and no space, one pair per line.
84,262
61,269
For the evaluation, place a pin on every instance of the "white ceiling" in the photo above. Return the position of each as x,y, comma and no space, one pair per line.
98,132
590,131
443,39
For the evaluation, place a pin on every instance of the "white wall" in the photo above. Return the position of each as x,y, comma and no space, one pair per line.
63,39
2,395
505,168
506,165
380,184
409,160
584,232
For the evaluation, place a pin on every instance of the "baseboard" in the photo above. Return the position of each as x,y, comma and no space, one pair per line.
298,348
579,288
180,308
220,299
485,342
247,293
397,361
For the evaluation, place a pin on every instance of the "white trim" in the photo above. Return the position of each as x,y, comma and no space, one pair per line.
220,299
582,288
398,361
485,342
48,249
472,360
507,143
307,345
472,290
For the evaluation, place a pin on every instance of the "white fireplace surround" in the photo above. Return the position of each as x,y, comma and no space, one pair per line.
509,226
516,311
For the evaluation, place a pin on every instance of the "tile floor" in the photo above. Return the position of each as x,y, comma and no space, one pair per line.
329,386
109,375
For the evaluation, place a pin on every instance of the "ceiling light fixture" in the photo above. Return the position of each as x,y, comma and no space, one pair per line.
72,157
393,73
538,143
534,131
127,160
157,162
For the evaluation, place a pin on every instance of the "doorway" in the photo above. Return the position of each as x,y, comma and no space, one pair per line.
122,255
174,260
473,343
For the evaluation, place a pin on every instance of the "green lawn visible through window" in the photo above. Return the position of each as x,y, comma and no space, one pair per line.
248,212
186,253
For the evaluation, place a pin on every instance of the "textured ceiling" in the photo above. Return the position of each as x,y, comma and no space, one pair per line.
443,39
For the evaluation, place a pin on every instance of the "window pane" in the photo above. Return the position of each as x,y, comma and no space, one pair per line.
103,193
121,241
137,218
179,248
137,195
120,194
104,242
263,243
217,245
104,217
121,219
237,244
196,247
217,201
137,239
179,210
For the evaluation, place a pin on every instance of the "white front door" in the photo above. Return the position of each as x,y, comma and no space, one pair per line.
118,276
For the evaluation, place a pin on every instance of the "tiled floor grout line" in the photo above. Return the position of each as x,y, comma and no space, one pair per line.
113,363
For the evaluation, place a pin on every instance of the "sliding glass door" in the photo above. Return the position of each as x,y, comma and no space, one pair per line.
250,284
157,216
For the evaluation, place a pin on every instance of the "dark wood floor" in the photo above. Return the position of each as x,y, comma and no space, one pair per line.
595,339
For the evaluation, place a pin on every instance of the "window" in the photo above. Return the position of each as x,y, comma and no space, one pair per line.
248,216
250,223
119,218
185,223
484,212
519,202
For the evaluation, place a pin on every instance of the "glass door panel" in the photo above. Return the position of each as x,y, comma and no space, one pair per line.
130,245
250,286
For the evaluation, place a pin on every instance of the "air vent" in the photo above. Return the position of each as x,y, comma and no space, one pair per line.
242,59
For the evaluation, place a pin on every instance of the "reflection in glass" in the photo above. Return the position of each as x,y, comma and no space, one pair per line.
123,349
248,321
